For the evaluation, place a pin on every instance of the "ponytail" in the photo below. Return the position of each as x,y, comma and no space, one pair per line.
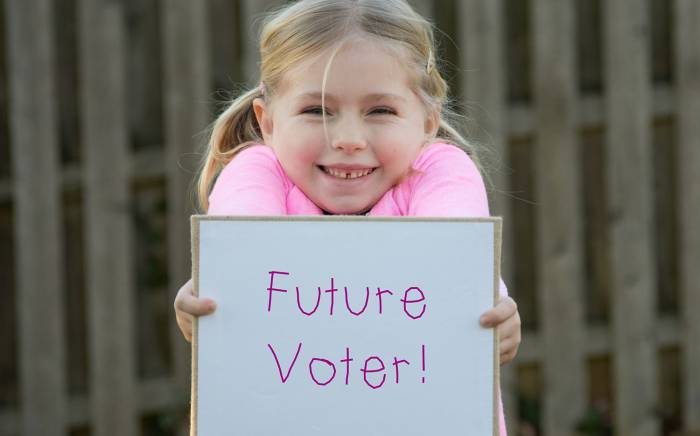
233,130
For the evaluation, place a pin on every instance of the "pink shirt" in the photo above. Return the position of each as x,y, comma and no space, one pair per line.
446,183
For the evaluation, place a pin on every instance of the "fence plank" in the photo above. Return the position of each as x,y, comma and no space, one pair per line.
484,88
109,277
225,39
481,41
187,84
687,50
630,191
33,133
559,211
252,13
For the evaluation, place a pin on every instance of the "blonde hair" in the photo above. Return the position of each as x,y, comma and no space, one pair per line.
298,31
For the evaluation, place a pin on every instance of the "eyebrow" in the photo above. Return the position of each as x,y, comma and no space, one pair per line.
369,97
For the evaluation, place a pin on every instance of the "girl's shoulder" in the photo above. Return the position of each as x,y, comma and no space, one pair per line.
251,182
256,150
255,163
445,182
253,156
254,183
444,157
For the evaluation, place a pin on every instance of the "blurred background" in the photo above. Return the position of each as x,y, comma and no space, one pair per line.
586,115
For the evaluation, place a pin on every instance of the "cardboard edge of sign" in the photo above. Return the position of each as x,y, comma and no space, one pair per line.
195,221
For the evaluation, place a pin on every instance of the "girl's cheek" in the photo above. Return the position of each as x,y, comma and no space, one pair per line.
306,150
391,153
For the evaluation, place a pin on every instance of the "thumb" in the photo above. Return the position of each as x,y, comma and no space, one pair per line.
505,308
195,306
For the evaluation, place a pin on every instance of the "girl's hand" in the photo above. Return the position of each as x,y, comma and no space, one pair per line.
187,306
506,319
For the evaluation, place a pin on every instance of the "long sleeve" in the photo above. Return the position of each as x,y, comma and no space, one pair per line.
252,183
447,183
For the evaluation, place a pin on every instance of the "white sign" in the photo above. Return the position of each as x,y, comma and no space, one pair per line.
345,326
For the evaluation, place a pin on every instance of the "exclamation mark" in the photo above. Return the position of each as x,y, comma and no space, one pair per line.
423,361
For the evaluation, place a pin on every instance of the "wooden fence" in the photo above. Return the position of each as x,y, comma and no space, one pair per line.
590,112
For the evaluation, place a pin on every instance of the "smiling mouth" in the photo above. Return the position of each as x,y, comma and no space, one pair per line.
347,174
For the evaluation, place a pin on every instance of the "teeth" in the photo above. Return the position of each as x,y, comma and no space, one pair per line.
343,174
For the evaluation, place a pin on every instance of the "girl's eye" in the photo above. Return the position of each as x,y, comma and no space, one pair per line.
314,110
382,111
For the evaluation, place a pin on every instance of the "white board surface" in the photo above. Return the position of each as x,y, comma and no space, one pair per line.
412,361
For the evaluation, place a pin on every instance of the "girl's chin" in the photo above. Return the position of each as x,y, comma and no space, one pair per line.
345,210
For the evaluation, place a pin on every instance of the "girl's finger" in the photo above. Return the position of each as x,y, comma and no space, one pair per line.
508,345
506,357
505,308
184,321
509,327
194,306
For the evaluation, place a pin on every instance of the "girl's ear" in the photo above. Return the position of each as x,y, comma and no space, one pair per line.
263,116
432,123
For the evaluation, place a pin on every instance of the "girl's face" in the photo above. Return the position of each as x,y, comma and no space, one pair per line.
375,126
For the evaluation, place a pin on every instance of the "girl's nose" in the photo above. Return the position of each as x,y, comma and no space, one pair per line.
348,137
349,146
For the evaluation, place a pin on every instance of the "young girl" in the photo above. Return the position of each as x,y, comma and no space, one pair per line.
349,117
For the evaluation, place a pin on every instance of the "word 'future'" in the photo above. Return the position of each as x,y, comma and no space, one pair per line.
414,307
406,300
